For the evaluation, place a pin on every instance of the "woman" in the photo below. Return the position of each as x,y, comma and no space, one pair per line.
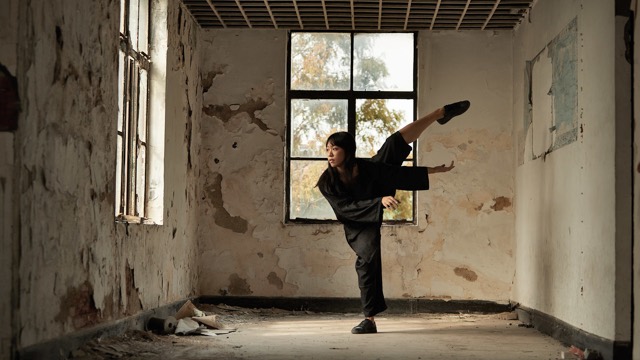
359,189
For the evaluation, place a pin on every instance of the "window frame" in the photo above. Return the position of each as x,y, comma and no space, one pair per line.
132,181
351,96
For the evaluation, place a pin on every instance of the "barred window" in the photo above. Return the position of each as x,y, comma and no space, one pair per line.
363,83
133,91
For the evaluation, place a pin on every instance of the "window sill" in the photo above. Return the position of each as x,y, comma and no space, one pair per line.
300,221
131,219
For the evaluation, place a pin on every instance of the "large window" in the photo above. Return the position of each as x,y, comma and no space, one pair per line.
364,83
131,163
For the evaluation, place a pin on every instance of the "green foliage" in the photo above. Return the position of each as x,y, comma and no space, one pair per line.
321,61
374,121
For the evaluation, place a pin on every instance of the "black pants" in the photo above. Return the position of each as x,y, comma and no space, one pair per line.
394,151
370,283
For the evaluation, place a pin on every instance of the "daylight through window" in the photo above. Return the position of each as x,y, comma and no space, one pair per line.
131,171
364,83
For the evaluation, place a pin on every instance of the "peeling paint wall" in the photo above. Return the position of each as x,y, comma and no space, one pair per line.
8,59
566,219
551,94
78,267
470,210
7,243
462,247
623,185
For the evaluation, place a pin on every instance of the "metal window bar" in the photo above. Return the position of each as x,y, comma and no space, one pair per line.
131,144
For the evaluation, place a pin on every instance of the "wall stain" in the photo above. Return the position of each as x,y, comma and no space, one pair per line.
207,81
109,307
134,305
225,112
323,232
78,306
59,45
238,285
467,274
275,280
501,203
188,133
222,217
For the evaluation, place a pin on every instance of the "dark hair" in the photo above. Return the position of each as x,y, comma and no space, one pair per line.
329,182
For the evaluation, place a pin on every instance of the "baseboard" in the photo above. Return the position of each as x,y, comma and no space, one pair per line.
352,305
61,347
571,335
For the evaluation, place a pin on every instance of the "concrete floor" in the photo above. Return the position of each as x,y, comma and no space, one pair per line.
297,335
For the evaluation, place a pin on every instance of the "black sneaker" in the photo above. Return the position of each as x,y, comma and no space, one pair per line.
455,109
365,327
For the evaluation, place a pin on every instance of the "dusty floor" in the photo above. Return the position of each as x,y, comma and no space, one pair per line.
277,334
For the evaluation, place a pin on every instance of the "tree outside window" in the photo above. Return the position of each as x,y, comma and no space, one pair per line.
363,83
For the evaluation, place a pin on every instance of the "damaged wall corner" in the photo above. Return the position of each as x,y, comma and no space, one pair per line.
72,249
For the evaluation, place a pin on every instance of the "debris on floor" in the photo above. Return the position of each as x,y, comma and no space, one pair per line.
302,335
189,320
163,335
579,354
188,310
162,326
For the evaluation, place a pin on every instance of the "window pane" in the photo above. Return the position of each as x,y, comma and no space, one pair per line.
121,89
383,62
306,201
404,211
141,164
143,26
312,121
119,175
320,61
142,105
123,14
133,23
376,119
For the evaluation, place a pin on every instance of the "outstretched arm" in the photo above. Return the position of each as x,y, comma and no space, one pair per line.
440,169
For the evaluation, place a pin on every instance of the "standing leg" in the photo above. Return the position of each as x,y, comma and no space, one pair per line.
371,294
370,283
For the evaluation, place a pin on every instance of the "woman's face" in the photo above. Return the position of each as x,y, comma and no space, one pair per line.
335,155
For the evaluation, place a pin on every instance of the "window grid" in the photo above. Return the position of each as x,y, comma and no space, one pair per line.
132,187
351,96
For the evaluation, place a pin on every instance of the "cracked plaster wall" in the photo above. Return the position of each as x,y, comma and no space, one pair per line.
77,266
462,247
566,208
8,58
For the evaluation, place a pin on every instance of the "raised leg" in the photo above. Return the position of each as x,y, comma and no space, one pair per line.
412,131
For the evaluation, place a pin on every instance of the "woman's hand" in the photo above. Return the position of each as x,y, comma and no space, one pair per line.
390,202
440,169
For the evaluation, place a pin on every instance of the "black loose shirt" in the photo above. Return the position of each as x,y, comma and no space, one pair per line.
360,209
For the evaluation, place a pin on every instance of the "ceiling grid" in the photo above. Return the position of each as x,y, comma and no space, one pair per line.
360,15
